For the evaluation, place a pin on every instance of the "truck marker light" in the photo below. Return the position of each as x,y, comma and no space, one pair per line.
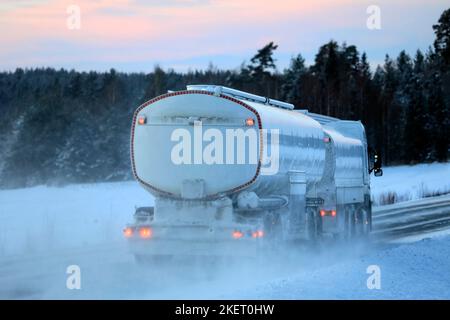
145,232
258,234
237,234
142,120
128,232
324,213
249,122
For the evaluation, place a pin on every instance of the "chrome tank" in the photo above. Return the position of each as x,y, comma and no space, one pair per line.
301,145
299,138
350,151
301,148
184,117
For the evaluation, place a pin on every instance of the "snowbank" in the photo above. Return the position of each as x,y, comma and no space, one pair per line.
45,218
50,218
411,182
44,229
409,271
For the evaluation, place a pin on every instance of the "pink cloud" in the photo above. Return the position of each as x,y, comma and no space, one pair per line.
145,22
121,30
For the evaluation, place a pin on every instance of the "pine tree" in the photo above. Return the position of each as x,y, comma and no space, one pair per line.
263,62
292,81
415,137
442,42
441,67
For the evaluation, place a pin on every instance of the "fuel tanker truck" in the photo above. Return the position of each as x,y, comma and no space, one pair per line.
232,172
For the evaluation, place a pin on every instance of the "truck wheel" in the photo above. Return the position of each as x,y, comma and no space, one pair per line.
272,227
359,231
313,224
362,223
350,222
365,222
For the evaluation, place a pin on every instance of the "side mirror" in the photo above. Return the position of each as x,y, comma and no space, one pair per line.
375,163
378,172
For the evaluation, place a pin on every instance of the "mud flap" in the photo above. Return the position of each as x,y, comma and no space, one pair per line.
297,228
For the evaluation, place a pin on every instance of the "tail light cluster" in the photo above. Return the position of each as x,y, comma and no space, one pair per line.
237,234
142,120
331,213
142,232
147,233
249,122
254,234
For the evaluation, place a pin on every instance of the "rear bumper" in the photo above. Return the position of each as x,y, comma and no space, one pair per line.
234,248
198,240
330,225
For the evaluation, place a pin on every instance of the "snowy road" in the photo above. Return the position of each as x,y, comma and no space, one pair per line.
43,230
410,270
417,270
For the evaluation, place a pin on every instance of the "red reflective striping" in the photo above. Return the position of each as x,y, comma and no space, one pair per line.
147,103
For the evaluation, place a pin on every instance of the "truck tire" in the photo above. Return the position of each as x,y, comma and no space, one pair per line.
362,223
365,226
313,224
350,223
273,228
359,228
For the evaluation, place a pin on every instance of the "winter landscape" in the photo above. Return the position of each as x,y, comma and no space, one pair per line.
211,149
82,225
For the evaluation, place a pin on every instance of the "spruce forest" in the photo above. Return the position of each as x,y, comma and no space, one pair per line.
65,126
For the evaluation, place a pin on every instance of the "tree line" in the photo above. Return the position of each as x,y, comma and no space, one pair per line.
60,126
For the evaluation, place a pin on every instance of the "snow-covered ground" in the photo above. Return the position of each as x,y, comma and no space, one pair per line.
411,182
415,270
45,229
50,218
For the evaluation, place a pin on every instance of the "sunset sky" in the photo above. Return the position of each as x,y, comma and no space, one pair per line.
134,35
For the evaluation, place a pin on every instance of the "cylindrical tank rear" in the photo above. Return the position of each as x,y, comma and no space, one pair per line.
198,144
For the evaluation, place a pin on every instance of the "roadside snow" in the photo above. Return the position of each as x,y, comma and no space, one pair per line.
51,218
408,271
43,218
411,182
45,229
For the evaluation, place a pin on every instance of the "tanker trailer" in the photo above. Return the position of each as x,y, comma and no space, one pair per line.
232,172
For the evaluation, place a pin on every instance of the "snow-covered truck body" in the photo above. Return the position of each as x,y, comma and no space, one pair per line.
229,167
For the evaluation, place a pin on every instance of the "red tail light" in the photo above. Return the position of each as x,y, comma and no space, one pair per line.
128,232
249,122
142,120
324,213
145,232
258,234
237,234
